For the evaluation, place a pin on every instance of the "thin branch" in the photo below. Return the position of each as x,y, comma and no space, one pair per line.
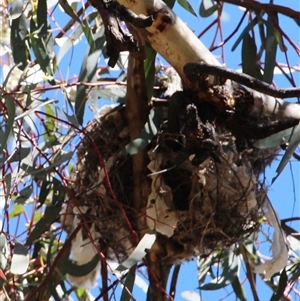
194,70
174,279
268,8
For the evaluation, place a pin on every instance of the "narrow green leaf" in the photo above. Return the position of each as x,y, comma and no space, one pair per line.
42,45
207,8
69,10
6,80
16,210
69,42
286,157
51,286
18,36
24,195
19,154
146,135
187,6
58,195
44,192
87,74
11,111
60,158
49,124
128,285
245,31
111,92
238,289
270,51
3,251
43,225
282,285
8,182
41,16
229,264
249,57
203,265
20,259
139,252
39,106
78,270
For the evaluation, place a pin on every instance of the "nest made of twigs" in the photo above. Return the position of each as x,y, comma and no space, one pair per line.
204,192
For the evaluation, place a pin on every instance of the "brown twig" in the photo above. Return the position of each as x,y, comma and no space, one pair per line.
173,284
194,70
268,8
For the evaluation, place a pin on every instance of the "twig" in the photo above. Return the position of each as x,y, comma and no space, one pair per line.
173,284
249,272
269,8
194,70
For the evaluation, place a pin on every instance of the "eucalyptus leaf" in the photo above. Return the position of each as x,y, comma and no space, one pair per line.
238,289
3,251
42,43
60,158
35,108
20,259
146,135
286,136
286,157
249,57
19,154
43,225
78,270
68,43
128,285
112,92
24,195
18,36
187,6
207,8
230,266
41,16
203,265
69,10
244,32
270,50
281,288
16,210
11,111
87,74
139,252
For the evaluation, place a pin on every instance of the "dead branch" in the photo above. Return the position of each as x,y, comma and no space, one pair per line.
118,39
193,70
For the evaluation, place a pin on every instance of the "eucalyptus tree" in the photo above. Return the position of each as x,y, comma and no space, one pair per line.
167,167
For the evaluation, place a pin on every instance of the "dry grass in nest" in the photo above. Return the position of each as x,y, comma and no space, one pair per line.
200,203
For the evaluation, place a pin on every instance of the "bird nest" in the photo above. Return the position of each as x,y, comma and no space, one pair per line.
204,193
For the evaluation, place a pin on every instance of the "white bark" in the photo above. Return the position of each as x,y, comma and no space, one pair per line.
172,39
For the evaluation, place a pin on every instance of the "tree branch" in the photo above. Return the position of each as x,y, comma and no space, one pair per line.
193,70
268,8
172,39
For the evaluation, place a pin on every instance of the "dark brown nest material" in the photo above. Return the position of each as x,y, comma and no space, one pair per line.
204,193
